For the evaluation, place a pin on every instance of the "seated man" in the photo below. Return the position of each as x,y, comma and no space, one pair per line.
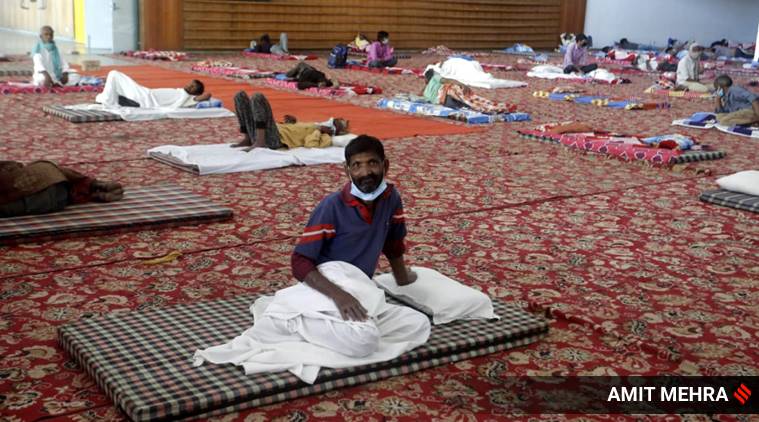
380,53
689,70
43,187
735,105
454,94
121,90
261,131
50,68
263,45
355,225
576,56
308,77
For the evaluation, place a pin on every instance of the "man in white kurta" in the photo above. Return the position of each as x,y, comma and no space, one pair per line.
120,89
50,68
689,70
337,317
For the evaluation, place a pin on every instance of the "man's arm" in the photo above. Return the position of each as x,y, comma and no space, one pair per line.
350,308
203,97
403,276
755,106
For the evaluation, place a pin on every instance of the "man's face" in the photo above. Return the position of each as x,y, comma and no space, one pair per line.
46,35
366,170
192,88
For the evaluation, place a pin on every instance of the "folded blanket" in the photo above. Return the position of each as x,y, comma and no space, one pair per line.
747,131
556,72
222,158
700,120
342,90
442,50
602,101
470,73
463,115
173,56
204,110
232,71
278,56
656,89
353,65
9,88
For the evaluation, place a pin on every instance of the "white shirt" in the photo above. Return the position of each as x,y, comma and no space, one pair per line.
687,69
43,62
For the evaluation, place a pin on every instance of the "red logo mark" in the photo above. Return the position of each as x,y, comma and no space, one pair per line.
742,394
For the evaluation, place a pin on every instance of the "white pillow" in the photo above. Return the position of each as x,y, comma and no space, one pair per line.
343,140
437,295
742,182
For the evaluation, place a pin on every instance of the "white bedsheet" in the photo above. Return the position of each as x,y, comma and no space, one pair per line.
555,72
470,73
133,114
222,158
261,349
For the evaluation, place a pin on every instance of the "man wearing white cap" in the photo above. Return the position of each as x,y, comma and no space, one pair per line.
688,70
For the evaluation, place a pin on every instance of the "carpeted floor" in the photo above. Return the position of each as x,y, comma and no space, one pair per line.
640,276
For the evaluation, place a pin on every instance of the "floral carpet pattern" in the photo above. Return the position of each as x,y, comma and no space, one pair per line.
638,276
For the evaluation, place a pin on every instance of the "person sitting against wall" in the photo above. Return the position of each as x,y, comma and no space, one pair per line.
50,68
576,56
380,53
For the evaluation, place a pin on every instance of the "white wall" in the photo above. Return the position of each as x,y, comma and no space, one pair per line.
653,21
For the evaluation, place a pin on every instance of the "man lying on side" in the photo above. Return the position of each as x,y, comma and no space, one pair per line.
43,187
121,90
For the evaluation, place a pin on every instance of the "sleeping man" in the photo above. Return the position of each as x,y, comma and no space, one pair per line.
121,90
261,131
337,316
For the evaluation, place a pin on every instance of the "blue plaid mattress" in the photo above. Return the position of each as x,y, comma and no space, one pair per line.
463,115
731,199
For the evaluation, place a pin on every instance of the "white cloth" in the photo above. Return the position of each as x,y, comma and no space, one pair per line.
138,114
44,63
742,182
687,69
546,71
118,83
300,330
470,73
222,158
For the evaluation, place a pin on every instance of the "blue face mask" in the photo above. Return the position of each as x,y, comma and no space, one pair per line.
721,92
371,196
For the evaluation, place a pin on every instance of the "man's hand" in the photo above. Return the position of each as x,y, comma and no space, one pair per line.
203,97
48,80
410,278
290,119
350,308
65,78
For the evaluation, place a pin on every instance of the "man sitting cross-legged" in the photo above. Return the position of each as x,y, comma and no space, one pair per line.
261,131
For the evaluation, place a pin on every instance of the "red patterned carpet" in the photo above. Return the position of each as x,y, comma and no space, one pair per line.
640,276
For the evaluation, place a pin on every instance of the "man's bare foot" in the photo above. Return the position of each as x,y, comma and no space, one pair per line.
246,142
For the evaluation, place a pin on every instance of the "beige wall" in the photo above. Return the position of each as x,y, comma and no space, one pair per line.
59,14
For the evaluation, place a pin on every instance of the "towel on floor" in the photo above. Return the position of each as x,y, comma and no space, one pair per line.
133,114
222,158
470,72
306,313
698,120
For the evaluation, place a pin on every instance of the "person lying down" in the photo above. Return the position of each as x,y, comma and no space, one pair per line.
261,131
122,91
43,187
336,316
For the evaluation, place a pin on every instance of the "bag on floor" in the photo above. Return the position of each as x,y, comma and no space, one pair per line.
338,57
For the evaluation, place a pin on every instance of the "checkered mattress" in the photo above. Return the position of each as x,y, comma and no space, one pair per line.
279,56
142,208
602,101
143,360
9,88
462,115
342,90
80,116
385,70
730,199
654,156
16,69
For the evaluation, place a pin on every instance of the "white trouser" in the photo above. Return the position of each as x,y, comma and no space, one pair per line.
117,83
351,338
74,78
695,86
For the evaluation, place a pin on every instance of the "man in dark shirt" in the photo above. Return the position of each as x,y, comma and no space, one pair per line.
355,225
308,77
